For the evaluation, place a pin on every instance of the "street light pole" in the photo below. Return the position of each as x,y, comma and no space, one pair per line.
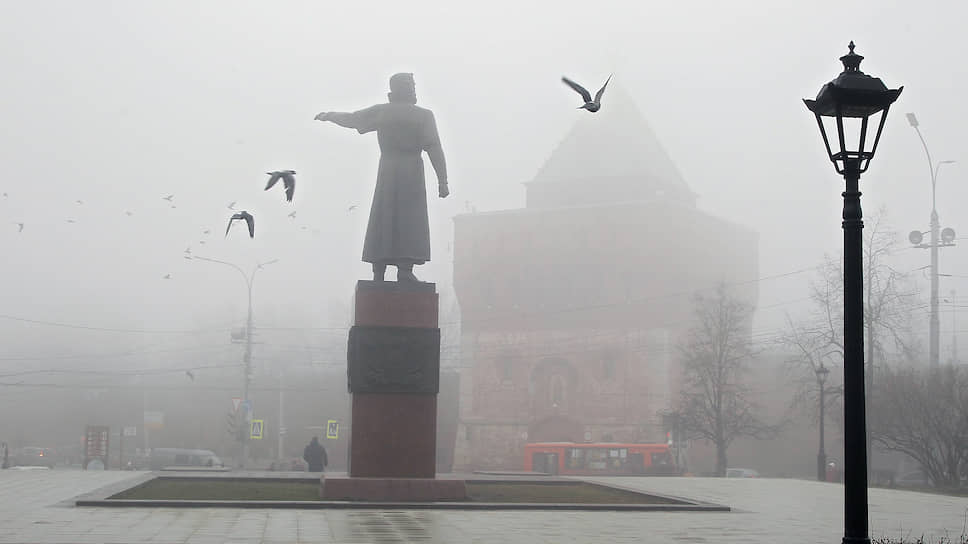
853,98
855,418
247,357
822,372
934,321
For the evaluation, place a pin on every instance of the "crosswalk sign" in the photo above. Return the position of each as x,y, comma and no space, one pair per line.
332,429
255,429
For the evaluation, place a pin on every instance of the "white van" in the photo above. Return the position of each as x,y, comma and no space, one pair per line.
162,458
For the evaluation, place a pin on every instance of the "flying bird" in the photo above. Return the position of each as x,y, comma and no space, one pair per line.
168,198
288,179
351,208
245,216
80,201
166,277
292,214
20,227
590,105
71,221
231,205
206,231
190,375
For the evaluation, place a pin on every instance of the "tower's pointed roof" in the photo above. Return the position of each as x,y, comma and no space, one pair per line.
609,156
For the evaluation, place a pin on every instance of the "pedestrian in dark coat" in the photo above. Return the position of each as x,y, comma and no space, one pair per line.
315,456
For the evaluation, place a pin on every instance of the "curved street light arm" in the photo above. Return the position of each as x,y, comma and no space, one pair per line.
927,153
260,266
937,167
248,282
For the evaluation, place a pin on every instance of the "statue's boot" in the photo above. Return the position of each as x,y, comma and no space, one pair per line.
379,270
405,273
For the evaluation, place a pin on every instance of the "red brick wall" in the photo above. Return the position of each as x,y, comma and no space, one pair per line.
597,296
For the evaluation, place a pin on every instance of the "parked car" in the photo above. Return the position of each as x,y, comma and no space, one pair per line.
741,473
34,457
161,458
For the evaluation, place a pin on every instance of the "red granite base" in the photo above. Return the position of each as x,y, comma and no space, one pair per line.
392,304
392,489
393,436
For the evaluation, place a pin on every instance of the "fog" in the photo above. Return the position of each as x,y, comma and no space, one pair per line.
108,107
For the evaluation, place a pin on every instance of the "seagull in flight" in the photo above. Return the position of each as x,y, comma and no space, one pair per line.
249,221
190,375
292,214
231,205
168,198
351,208
206,231
288,179
20,227
166,277
590,105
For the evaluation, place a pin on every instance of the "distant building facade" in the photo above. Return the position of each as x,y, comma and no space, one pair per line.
571,307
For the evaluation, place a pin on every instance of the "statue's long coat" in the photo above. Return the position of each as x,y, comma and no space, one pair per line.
398,230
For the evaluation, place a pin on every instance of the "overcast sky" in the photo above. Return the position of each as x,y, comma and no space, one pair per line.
119,104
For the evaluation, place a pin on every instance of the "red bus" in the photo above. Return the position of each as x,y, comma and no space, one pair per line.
601,458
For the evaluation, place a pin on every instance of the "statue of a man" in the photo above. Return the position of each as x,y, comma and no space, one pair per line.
398,232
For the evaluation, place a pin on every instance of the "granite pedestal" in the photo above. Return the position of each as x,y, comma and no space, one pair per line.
393,374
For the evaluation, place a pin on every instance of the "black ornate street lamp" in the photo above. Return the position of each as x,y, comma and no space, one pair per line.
822,372
847,105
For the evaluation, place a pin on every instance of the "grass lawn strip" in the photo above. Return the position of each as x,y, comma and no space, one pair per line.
578,492
201,489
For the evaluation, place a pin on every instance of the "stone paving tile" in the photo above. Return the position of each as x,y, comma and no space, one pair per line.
34,507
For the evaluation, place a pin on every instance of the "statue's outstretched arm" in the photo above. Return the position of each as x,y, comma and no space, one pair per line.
365,120
342,119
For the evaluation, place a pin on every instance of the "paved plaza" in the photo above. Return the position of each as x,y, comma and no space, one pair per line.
36,506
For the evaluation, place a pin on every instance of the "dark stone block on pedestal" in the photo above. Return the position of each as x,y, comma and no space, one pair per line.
393,360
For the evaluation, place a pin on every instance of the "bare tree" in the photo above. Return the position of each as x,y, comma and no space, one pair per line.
924,413
889,298
715,404
817,338
812,348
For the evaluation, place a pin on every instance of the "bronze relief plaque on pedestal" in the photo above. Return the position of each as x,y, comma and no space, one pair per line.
393,360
